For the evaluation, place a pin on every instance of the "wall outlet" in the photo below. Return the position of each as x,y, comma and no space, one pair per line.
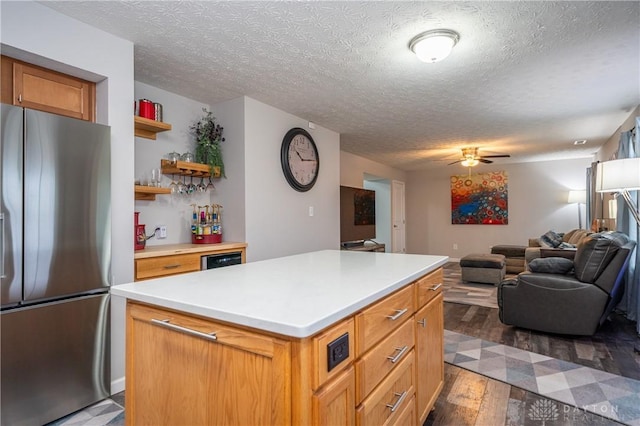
310,210
162,233
455,246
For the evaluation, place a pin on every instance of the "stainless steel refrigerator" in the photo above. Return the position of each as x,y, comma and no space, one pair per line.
56,260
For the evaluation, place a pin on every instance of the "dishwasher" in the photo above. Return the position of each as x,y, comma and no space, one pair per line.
211,261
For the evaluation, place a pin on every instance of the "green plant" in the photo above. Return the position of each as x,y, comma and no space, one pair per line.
208,136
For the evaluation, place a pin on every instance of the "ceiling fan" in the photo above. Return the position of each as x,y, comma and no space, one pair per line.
470,157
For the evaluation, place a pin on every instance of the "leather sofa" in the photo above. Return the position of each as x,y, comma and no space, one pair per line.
552,242
565,296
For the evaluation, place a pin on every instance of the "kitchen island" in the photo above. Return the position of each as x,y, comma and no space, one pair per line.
329,337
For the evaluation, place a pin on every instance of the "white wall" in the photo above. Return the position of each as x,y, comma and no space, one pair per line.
230,192
173,211
260,208
611,146
537,203
36,34
353,170
277,216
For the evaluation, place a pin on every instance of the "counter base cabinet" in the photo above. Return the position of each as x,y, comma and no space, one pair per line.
333,404
430,355
180,376
178,372
162,261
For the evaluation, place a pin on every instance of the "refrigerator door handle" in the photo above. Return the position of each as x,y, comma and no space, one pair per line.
2,275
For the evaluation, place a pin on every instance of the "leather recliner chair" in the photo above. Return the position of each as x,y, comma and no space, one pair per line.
569,296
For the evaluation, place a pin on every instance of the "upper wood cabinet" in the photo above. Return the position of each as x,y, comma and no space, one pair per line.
34,87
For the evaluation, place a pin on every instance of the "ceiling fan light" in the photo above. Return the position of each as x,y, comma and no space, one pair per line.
435,45
469,162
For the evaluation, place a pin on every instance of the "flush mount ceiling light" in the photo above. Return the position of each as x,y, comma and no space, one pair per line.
434,45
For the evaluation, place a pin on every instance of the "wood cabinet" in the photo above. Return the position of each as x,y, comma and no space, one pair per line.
167,265
333,404
372,367
429,320
378,320
211,373
34,87
390,398
178,372
172,259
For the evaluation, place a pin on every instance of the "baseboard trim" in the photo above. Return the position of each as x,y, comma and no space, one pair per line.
117,386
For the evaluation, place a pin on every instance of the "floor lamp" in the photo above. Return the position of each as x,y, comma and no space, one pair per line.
578,197
620,177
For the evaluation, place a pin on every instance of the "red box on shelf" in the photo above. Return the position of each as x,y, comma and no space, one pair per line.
206,239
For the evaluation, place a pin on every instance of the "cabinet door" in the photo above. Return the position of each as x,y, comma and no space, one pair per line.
186,370
50,91
430,355
334,404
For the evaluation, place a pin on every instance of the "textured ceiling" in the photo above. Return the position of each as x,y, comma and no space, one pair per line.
526,78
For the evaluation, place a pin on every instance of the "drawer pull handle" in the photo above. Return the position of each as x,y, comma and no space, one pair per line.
395,359
165,323
401,398
399,313
174,266
435,287
423,322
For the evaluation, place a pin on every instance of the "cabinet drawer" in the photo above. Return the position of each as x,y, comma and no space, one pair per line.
377,363
378,320
321,351
429,287
166,265
389,399
408,415
186,325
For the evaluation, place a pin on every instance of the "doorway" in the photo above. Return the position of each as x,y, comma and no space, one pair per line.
389,212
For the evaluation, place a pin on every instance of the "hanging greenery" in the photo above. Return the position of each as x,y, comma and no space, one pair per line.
208,136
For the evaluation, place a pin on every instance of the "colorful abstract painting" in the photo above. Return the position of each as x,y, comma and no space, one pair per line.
480,199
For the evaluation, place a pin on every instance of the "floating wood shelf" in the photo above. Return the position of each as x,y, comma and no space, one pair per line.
146,128
148,193
186,168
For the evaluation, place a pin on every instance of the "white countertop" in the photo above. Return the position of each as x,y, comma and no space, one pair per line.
295,296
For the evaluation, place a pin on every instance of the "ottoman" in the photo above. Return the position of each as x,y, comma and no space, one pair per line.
483,268
513,254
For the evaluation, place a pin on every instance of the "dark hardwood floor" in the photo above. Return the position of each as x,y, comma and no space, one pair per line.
472,399
611,349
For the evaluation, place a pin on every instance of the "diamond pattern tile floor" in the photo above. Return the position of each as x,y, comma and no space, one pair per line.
605,394
103,413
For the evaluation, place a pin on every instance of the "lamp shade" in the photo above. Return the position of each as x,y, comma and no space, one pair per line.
618,175
579,196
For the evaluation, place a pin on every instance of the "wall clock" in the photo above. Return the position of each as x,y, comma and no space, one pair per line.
300,160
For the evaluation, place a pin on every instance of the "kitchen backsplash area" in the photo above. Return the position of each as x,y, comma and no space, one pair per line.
173,211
